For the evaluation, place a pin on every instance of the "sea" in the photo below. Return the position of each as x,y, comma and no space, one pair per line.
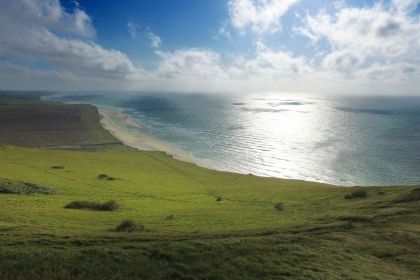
344,140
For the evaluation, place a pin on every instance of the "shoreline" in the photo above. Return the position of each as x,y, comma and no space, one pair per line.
127,130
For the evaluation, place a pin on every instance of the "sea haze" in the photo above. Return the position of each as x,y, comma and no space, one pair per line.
338,140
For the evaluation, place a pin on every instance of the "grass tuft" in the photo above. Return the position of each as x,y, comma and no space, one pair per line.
356,194
129,226
169,217
110,205
105,177
57,167
279,206
16,187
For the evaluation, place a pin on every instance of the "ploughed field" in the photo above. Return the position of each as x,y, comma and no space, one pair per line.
119,213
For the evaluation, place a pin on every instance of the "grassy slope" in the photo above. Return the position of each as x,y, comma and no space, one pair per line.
318,235
37,123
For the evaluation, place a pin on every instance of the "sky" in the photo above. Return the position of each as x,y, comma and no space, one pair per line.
339,47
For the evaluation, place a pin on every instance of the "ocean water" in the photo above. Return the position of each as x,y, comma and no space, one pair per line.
338,140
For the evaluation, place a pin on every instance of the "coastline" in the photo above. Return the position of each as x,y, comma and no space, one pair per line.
127,130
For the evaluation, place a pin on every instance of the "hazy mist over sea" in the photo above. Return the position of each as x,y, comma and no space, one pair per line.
338,140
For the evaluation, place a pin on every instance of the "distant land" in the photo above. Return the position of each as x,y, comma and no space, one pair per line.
75,203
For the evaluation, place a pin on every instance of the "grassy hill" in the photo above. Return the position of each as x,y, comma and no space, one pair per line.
193,223
36,123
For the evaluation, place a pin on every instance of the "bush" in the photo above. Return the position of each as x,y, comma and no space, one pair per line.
110,205
105,177
17,187
356,194
219,198
129,226
57,167
170,217
279,206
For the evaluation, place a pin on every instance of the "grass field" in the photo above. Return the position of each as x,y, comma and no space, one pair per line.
194,223
36,123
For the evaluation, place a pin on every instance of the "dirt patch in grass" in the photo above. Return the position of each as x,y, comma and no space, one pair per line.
16,187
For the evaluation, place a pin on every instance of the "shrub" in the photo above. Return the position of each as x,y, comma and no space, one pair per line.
129,226
356,194
105,177
110,205
219,198
170,217
17,187
57,167
80,204
279,206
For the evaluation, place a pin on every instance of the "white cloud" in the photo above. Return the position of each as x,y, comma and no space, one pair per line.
223,32
343,60
371,47
154,39
405,6
44,14
43,32
270,64
189,64
375,31
259,16
132,29
19,77
388,73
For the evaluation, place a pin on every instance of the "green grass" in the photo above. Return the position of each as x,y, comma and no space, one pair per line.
318,234
16,187
37,123
175,220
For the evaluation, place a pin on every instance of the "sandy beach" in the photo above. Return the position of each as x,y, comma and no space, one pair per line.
127,130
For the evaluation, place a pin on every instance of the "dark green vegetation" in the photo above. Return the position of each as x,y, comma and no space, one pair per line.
37,123
356,194
110,205
16,187
177,227
105,177
279,206
57,167
413,196
129,226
